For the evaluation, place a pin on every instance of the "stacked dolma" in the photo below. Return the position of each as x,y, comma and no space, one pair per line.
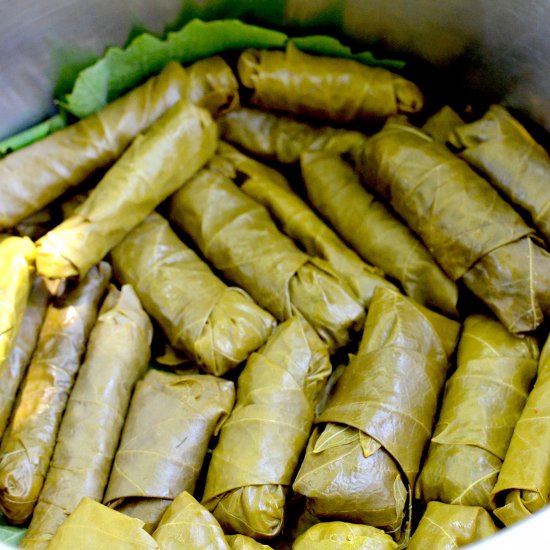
242,542
334,189
248,479
284,139
216,325
495,371
523,484
499,147
151,169
441,124
211,84
29,441
17,255
335,535
301,224
36,175
164,442
187,525
238,236
333,89
451,526
363,458
470,230
231,162
12,369
117,355
93,526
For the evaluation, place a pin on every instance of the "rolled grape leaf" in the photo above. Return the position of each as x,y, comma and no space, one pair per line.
186,524
503,151
339,90
335,191
301,224
242,542
338,535
12,369
441,124
216,325
17,255
495,370
164,442
451,526
92,526
151,169
117,356
253,464
237,235
284,139
211,84
29,441
471,231
523,483
234,164
363,458
38,174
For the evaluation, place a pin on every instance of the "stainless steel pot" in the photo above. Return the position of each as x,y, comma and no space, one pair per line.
499,50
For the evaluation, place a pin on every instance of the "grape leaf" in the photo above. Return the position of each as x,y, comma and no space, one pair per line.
9,534
24,138
121,69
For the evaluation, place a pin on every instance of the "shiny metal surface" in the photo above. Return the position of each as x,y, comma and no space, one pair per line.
39,38
500,49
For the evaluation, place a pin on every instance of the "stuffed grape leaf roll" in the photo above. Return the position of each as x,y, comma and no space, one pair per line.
216,325
470,230
260,445
503,151
495,371
12,369
301,224
284,139
364,456
164,442
117,355
234,164
150,170
451,526
238,236
93,526
187,525
335,190
441,124
338,535
523,484
242,542
212,84
17,255
36,175
29,441
340,90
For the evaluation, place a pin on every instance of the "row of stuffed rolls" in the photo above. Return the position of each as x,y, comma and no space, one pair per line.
319,290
